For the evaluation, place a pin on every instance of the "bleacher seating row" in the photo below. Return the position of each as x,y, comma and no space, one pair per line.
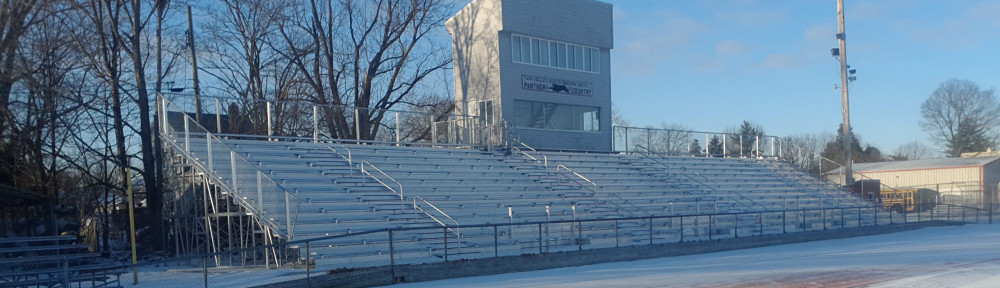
53,261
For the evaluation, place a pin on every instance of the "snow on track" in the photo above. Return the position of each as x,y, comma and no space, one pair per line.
956,256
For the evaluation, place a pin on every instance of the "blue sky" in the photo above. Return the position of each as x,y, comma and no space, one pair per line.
709,65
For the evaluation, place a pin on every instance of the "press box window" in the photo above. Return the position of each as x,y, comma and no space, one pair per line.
554,54
543,115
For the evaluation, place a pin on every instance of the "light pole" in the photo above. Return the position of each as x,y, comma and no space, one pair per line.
844,103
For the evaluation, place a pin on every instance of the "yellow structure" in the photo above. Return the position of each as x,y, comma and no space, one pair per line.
899,200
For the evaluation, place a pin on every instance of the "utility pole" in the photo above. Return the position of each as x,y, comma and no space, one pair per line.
194,69
844,103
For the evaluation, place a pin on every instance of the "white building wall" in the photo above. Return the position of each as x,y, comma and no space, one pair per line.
484,69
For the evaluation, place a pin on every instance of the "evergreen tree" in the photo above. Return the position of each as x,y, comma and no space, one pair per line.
835,150
743,138
695,148
715,145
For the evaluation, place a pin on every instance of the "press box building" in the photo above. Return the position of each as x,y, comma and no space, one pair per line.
543,66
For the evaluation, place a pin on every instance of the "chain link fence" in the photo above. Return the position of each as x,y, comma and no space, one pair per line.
385,249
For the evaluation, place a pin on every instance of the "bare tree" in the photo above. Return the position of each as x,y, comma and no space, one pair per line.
913,150
961,117
16,16
804,150
416,127
365,53
242,57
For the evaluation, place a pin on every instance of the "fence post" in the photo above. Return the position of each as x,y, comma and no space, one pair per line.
496,243
218,117
445,233
626,144
823,212
288,217
187,140
65,272
208,144
736,225
357,128
841,218
803,220
204,269
650,230
710,226
761,216
308,264
579,234
539,238
163,112
434,130
783,216
315,124
392,255
650,147
260,190
706,146
859,218
616,220
725,152
232,168
682,229
756,146
270,130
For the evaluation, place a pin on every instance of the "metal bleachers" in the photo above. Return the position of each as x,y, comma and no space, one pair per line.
348,188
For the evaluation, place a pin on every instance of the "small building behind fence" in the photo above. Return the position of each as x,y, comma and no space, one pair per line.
968,181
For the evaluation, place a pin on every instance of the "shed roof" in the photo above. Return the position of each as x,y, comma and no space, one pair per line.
922,164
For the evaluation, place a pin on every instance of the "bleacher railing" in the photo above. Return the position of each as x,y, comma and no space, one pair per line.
418,203
386,250
307,120
682,143
242,181
326,140
369,169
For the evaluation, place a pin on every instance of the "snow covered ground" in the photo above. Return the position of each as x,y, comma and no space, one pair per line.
961,256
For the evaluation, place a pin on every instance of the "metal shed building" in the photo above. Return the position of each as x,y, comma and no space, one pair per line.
961,181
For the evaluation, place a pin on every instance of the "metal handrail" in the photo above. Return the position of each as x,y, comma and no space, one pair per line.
577,175
458,227
399,192
594,190
349,159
